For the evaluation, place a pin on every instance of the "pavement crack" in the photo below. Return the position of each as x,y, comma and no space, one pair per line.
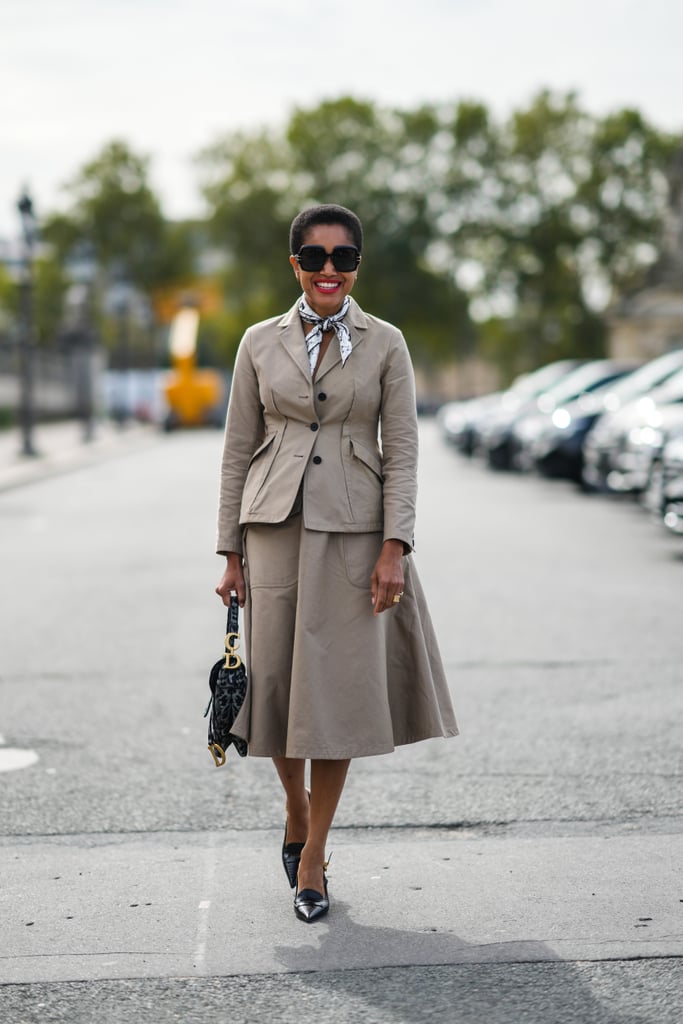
81,953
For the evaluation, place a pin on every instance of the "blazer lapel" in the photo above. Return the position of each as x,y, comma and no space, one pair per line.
357,322
292,337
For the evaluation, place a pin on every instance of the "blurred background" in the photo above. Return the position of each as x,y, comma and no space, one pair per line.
518,169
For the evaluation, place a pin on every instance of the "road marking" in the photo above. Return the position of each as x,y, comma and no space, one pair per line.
12,758
203,907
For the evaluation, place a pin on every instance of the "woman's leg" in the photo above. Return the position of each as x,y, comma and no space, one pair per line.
291,772
327,784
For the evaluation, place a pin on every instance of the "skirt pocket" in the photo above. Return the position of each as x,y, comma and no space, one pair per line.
272,553
361,551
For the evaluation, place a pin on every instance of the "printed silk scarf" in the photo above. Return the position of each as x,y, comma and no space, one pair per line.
322,324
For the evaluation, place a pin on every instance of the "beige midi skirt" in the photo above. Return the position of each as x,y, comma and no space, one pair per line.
327,677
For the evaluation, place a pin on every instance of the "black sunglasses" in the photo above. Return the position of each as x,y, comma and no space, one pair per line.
312,258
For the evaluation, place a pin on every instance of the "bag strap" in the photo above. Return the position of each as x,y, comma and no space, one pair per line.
233,615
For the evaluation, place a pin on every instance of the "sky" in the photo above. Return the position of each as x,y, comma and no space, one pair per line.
171,77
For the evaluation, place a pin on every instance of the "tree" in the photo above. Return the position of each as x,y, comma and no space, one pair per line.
113,208
505,238
114,214
343,151
50,288
574,210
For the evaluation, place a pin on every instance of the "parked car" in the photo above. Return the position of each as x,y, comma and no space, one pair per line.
491,434
642,426
650,447
602,439
637,454
672,483
457,419
462,422
559,450
529,427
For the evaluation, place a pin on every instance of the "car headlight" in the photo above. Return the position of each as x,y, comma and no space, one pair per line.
561,419
644,436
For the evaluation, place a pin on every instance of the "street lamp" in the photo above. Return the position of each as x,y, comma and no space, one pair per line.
26,341
82,268
119,302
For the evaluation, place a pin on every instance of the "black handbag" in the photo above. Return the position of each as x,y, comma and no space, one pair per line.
228,685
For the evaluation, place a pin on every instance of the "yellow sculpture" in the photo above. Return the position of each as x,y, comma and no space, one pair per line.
194,397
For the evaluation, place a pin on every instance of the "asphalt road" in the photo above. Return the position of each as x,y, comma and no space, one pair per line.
527,871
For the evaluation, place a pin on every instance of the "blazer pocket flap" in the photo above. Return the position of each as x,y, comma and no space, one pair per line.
262,448
367,457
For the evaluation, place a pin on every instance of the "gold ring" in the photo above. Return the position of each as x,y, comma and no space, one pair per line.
397,598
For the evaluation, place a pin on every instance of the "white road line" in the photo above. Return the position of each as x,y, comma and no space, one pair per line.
203,907
12,758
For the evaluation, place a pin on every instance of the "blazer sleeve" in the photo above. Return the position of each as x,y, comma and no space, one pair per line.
399,433
244,432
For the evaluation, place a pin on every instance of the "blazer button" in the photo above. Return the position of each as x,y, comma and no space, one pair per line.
314,426
322,396
317,460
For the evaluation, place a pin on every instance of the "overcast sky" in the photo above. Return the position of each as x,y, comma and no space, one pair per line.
171,76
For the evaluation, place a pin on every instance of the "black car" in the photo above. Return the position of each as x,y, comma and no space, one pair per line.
529,428
559,451
492,434
638,434
464,422
602,465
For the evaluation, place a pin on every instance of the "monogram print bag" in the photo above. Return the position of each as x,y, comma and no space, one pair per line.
228,685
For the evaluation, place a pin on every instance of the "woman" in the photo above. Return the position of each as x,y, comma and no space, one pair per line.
316,523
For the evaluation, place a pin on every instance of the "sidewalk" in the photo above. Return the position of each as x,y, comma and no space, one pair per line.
61,448
172,910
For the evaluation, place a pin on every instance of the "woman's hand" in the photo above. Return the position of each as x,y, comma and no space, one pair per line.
232,580
386,581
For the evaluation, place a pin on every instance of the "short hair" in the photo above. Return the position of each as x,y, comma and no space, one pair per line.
328,213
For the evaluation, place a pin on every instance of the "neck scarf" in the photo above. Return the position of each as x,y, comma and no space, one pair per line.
323,324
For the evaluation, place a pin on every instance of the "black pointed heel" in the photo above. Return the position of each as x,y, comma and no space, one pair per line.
291,855
309,904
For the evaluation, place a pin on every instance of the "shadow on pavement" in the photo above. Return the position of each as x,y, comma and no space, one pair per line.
437,976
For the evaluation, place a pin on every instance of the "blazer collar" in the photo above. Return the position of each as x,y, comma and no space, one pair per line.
292,337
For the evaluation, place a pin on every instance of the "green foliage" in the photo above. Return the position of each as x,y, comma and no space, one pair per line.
50,284
9,299
114,215
507,238
246,187
504,238
343,151
576,216
113,209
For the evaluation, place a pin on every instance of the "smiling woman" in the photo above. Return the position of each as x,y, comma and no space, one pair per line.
316,522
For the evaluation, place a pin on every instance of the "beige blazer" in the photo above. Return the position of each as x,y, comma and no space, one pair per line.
284,428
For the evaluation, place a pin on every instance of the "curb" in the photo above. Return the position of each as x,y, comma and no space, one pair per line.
61,449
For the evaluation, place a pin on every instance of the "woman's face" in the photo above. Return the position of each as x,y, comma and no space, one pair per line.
325,289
